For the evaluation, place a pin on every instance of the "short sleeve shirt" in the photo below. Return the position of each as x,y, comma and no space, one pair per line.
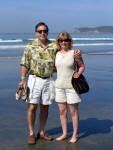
38,60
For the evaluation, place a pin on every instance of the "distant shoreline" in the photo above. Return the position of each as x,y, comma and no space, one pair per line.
93,30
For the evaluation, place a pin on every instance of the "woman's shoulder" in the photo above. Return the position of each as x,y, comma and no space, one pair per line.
58,53
72,52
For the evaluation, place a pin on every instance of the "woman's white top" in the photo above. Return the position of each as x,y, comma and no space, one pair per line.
65,68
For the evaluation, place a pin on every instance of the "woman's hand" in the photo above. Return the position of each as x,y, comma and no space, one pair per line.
76,75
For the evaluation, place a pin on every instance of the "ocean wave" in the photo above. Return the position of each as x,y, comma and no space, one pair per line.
11,46
13,40
100,53
94,44
24,45
92,39
53,39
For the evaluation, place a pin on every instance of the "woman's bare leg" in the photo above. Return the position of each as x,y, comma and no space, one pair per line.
75,121
63,119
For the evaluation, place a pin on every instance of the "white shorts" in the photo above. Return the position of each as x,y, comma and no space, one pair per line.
39,90
69,96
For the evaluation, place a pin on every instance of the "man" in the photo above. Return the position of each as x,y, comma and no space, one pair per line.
38,62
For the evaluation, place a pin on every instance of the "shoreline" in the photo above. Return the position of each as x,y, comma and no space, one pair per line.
95,110
83,54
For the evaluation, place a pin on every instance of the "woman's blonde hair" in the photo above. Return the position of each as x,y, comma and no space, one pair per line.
63,36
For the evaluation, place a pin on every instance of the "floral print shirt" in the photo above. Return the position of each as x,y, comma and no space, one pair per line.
38,60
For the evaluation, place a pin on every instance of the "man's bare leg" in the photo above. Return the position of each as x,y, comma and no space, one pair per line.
31,116
43,119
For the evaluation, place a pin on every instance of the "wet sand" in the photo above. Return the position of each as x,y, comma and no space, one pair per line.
95,110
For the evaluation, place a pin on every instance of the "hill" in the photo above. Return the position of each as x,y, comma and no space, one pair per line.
101,29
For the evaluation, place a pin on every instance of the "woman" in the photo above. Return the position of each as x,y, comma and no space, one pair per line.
65,93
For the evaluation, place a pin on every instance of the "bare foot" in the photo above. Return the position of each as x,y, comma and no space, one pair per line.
62,137
73,140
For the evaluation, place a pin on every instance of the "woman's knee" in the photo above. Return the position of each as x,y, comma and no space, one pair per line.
63,112
32,107
74,110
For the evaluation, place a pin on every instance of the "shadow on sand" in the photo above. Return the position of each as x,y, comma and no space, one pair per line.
87,127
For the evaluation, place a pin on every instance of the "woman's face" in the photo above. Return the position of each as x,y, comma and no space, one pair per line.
64,43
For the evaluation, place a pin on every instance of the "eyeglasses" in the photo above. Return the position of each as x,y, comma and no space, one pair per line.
66,40
40,31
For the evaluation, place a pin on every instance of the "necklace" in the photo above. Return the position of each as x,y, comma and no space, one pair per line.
64,54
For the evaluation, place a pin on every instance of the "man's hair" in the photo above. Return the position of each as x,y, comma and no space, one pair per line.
41,24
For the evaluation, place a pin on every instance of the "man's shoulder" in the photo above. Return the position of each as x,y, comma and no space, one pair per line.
53,44
32,44
35,42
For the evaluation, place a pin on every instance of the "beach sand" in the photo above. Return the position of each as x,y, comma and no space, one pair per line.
95,110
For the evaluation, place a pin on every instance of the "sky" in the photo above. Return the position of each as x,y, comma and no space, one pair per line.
21,16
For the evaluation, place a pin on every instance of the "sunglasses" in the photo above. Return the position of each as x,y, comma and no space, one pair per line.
66,40
40,31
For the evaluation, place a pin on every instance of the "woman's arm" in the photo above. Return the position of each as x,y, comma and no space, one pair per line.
80,65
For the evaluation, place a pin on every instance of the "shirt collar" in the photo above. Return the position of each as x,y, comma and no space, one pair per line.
37,43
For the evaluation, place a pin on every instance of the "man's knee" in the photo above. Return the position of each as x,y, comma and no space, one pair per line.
44,108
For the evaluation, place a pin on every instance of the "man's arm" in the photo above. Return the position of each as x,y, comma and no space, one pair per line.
24,71
77,52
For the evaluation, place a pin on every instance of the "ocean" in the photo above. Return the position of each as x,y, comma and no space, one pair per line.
95,110
13,44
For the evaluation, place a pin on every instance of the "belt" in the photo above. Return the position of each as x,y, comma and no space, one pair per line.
41,77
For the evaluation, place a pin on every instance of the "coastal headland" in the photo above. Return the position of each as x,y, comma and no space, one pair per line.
94,30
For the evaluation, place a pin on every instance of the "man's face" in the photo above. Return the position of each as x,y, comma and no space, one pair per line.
42,33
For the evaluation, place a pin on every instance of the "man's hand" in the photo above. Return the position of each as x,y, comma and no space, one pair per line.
22,84
77,53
